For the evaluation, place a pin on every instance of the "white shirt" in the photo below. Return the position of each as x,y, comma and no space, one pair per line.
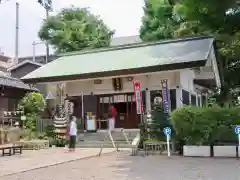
73,129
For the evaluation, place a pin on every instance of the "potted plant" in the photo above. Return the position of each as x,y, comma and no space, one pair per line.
193,130
196,148
223,137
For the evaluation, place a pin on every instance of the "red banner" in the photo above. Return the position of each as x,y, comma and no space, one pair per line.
138,96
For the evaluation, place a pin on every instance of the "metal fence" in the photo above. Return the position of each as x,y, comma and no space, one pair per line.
41,124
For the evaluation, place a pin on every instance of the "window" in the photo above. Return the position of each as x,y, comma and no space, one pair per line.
185,97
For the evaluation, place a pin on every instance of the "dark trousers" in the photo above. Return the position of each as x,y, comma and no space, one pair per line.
72,142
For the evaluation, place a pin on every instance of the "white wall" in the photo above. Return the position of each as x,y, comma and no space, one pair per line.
215,67
186,79
150,81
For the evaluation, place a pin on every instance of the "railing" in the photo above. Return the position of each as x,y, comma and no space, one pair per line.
109,136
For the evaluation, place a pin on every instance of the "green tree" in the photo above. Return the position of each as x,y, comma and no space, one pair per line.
75,29
33,102
191,17
158,22
33,105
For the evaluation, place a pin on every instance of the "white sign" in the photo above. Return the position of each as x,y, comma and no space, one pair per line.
23,118
50,96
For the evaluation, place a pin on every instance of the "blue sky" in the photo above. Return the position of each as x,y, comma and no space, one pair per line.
122,15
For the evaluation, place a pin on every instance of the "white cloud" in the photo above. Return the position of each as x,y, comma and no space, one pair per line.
122,15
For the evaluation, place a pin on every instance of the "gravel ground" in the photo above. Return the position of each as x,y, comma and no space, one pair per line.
124,167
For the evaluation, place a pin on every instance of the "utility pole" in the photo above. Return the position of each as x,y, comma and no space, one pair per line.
47,5
47,45
34,53
17,33
34,44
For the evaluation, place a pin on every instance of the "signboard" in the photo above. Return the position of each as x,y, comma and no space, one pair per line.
138,96
167,132
23,118
237,130
70,108
50,96
165,93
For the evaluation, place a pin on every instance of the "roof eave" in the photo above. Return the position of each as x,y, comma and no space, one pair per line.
158,68
22,64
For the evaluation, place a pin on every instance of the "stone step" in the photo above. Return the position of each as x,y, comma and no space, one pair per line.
98,144
100,135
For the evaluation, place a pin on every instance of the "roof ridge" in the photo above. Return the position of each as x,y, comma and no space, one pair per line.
15,66
135,45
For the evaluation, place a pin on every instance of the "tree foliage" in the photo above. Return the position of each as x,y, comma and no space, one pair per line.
173,18
158,21
75,29
33,103
210,125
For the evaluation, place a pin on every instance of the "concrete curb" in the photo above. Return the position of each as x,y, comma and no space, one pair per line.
55,164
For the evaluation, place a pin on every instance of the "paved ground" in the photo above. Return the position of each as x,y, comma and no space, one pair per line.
124,167
41,158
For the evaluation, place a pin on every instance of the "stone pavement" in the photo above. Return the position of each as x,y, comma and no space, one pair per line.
121,166
45,157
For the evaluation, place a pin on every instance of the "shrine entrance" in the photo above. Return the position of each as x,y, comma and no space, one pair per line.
125,106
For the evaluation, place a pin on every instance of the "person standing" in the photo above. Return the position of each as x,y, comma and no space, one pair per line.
112,117
72,134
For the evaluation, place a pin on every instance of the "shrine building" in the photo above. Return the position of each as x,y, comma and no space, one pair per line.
92,79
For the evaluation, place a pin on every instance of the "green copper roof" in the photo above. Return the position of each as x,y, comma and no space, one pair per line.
126,58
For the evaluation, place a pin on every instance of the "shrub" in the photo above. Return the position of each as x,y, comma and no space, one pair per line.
190,126
50,131
32,103
60,142
210,125
222,122
153,131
